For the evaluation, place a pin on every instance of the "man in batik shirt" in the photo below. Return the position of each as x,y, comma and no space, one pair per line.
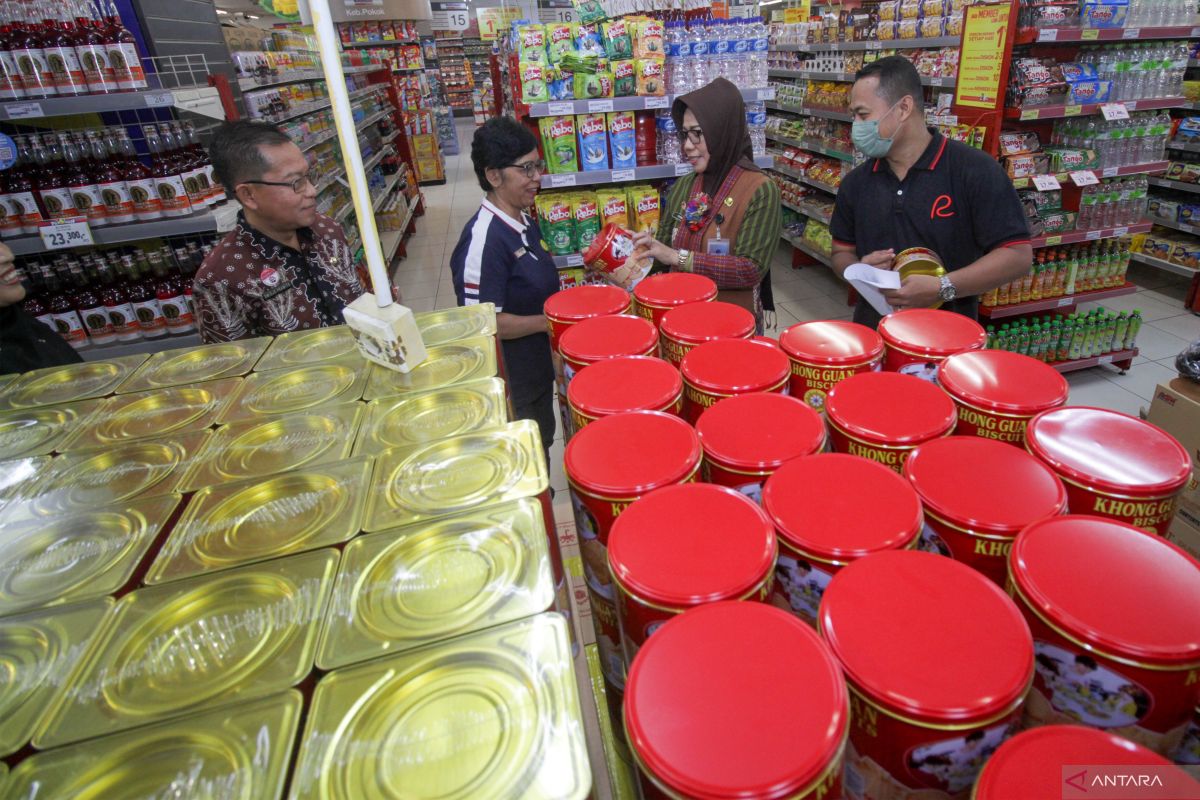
284,267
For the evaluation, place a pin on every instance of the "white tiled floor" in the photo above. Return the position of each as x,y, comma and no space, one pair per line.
810,293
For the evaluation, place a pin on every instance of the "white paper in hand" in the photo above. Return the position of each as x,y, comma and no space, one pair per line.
868,280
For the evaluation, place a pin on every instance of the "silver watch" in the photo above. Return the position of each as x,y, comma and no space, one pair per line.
947,292
683,257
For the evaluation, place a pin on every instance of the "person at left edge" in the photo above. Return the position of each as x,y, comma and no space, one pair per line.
25,343
500,259
283,267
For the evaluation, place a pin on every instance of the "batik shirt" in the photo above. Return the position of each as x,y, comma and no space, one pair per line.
251,285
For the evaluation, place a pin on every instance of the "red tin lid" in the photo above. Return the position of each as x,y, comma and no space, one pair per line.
927,636
1030,764
674,289
890,408
817,506
1112,585
984,485
735,366
625,383
607,337
691,544
831,342
1002,381
932,332
1110,451
585,302
711,705
703,322
759,431
629,454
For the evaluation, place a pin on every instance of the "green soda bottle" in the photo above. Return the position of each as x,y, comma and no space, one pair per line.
1023,339
1036,340
1056,332
1110,333
1064,340
1089,337
1135,325
991,338
1075,351
1121,332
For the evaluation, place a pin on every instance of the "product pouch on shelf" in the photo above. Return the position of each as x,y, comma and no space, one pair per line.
557,223
1026,166
932,27
593,141
591,87
649,41
933,8
889,10
1089,91
1015,143
561,84
1057,221
589,11
624,78
643,208
651,77
954,25
558,144
1073,71
910,9
588,41
531,42
1104,15
534,88
587,219
1189,129
560,40
1071,159
614,207
622,139
618,42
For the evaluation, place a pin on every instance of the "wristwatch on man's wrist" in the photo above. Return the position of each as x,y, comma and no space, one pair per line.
948,291
683,259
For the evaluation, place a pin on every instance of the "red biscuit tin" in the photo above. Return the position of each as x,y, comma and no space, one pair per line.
747,437
570,306
684,327
978,495
610,464
917,340
611,253
658,294
883,416
1030,764
819,508
1115,615
826,352
737,700
1114,465
998,392
684,546
600,338
625,383
937,660
727,367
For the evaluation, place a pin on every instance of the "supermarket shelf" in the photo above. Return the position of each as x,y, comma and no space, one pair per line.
1163,264
846,77
804,247
389,242
809,111
134,231
312,108
845,47
1110,172
1106,35
808,212
408,70
1118,358
294,76
1179,226
1189,106
390,138
1178,185
331,179
1191,147
371,120
103,352
816,147
1036,306
388,186
1086,109
374,160
325,137
100,103
656,172
800,176
1074,237
564,107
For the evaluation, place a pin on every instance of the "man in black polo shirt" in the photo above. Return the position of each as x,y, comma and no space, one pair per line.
918,189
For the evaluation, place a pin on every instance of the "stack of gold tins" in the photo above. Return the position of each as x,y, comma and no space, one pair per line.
268,568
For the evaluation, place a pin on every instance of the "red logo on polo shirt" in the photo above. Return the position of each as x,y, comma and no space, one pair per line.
942,207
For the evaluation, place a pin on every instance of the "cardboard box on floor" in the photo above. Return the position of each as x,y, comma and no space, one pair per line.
1185,530
1176,409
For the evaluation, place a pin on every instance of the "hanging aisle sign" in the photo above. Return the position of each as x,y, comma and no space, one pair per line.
981,63
556,12
450,17
493,22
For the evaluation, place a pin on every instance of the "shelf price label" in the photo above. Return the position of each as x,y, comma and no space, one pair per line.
1072,111
1090,34
1120,231
682,169
1046,183
1114,111
1084,178
1048,35
58,234
1092,235
560,109
599,106
1069,300
160,100
1028,114
559,181
24,110
1132,33
1051,241
656,102
1104,359
624,174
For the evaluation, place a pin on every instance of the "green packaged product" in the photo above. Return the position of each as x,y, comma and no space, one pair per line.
589,10
624,79
1072,159
560,40
534,86
557,222
592,87
618,42
531,41
558,144
587,219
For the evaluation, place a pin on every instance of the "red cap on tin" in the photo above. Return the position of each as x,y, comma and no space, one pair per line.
626,383
710,706
890,408
1030,764
703,322
927,636
984,485
833,342
674,289
1112,585
691,544
735,365
1003,381
606,337
932,332
817,506
585,302
1109,450
630,454
759,431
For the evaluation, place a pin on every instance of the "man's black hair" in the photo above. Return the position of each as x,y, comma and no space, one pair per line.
235,153
498,143
897,78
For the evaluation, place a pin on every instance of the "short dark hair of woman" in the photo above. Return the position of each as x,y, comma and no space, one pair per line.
498,143
235,154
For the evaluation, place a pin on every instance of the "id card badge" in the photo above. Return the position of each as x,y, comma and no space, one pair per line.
718,247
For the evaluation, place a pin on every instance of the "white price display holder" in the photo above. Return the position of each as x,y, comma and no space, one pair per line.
559,181
1084,178
624,175
1046,183
58,234
1114,111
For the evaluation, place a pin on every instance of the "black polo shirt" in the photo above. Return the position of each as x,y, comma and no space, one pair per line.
955,201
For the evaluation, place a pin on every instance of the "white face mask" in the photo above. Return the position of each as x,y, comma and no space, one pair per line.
865,135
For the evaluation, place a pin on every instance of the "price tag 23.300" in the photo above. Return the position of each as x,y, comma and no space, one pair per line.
67,232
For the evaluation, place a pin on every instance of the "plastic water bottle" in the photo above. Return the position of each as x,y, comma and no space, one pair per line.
760,34
742,47
756,119
668,139
698,36
677,79
712,37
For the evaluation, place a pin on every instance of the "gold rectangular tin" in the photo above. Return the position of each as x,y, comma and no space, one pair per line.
297,389
77,556
305,348
408,587
435,480
38,651
158,412
446,365
240,523
57,385
19,479
171,650
43,429
491,714
238,752
454,324
414,419
207,362
259,447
